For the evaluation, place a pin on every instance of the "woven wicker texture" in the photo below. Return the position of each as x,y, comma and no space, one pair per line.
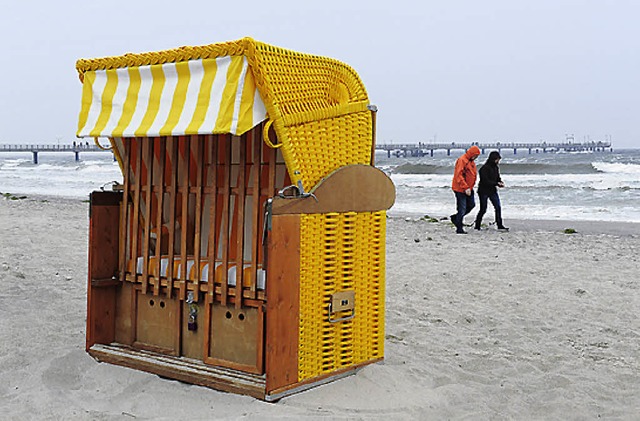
318,105
341,252
319,147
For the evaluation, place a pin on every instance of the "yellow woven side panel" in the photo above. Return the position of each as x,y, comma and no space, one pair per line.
304,87
319,109
341,252
319,147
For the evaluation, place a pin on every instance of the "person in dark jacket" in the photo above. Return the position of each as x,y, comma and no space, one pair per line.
488,189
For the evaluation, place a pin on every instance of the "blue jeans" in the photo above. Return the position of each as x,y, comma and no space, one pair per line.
464,204
495,201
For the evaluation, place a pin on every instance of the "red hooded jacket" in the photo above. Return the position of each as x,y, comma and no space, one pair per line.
464,175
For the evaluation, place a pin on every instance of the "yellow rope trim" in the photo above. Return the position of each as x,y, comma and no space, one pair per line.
231,48
95,140
265,136
323,114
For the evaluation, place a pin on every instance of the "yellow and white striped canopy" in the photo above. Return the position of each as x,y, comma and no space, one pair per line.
212,95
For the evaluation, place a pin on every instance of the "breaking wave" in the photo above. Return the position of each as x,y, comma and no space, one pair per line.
515,168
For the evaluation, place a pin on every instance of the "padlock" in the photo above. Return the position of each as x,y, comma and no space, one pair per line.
192,323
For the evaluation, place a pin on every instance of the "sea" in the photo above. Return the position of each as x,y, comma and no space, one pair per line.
585,186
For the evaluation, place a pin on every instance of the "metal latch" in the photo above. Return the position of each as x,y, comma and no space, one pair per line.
192,323
266,226
295,192
113,185
342,301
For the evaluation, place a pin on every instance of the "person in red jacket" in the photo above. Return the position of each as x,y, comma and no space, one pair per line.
464,179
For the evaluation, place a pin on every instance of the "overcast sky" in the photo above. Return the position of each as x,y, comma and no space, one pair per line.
467,70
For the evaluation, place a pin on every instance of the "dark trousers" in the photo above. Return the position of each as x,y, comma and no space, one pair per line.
495,201
464,204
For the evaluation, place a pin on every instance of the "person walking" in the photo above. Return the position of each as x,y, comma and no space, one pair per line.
464,179
490,180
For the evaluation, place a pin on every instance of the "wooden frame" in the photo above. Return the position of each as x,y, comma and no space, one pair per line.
103,266
195,208
166,186
171,187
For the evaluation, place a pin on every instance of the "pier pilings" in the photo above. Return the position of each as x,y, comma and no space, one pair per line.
36,149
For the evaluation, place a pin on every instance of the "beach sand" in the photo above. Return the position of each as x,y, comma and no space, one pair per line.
529,324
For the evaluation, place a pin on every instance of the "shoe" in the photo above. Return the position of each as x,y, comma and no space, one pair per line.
477,227
461,232
503,229
453,218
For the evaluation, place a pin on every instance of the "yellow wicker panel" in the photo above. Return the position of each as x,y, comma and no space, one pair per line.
305,87
341,252
319,109
319,147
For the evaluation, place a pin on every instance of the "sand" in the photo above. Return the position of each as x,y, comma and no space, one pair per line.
530,324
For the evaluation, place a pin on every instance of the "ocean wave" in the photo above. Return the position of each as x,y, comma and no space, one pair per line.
422,169
507,168
558,188
542,168
617,167
100,169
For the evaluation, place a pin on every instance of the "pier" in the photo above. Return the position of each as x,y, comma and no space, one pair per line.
36,149
395,149
423,149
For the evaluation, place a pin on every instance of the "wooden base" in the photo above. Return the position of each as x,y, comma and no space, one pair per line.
183,369
193,371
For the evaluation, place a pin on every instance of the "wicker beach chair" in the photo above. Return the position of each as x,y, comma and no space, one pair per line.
245,248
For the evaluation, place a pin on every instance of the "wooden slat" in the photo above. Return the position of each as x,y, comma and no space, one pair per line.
271,156
133,315
199,160
224,225
147,214
213,204
208,302
104,283
239,226
283,304
124,211
159,217
184,226
256,237
172,148
184,189
260,341
136,205
271,192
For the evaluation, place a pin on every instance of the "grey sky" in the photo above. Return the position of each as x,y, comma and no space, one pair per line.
463,70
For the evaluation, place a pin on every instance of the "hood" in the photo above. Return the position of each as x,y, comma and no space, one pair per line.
491,160
473,152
